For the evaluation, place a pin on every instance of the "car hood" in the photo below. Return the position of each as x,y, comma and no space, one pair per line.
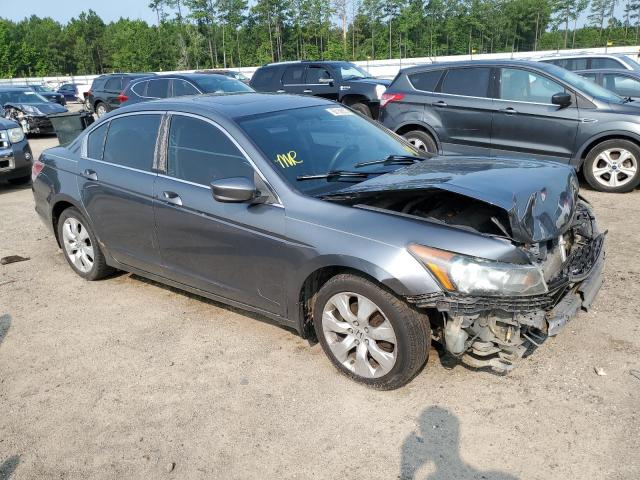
372,81
539,198
43,108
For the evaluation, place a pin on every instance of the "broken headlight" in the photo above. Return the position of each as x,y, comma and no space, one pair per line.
477,276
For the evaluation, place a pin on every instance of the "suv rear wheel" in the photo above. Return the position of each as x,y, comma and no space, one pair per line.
80,246
369,334
613,166
101,109
421,140
362,109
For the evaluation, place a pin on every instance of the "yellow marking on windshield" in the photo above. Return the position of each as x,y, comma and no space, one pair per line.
286,160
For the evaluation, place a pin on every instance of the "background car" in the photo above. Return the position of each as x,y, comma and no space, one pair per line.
29,109
515,108
591,61
625,83
227,73
104,94
343,82
72,92
155,87
48,93
15,154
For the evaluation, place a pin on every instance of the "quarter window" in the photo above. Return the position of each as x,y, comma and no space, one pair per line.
523,86
131,141
158,88
114,84
425,81
471,82
293,75
95,142
201,153
602,62
140,89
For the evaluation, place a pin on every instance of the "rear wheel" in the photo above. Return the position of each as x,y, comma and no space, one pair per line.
369,334
362,109
80,246
613,166
101,109
421,140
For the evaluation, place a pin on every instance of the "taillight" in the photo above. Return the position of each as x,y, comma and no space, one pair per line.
122,97
36,168
390,97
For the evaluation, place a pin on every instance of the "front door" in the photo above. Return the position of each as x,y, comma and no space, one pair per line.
320,82
116,185
233,250
526,123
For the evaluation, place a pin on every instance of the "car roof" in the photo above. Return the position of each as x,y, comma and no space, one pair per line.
480,63
231,106
581,55
305,62
18,88
633,73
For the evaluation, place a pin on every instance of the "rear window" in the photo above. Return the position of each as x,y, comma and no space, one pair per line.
114,84
131,141
603,62
425,81
471,82
263,77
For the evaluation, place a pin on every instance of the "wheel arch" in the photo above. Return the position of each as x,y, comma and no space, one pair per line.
593,142
351,98
59,205
409,126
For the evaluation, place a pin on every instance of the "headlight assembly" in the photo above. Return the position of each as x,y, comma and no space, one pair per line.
16,135
476,276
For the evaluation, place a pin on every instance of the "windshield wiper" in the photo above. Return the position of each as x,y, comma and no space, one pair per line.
335,175
392,160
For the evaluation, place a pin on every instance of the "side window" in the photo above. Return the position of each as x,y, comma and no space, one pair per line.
263,77
314,74
200,152
182,87
131,141
113,84
602,62
140,89
425,81
523,86
158,88
589,76
622,85
471,82
293,75
95,142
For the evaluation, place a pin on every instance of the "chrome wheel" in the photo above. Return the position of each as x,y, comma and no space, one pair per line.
101,110
359,335
419,144
77,245
614,167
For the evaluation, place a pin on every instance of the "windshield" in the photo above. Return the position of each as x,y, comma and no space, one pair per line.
40,88
349,71
238,76
220,84
587,86
317,140
22,96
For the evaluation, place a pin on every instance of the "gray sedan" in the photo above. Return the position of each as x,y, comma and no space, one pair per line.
309,214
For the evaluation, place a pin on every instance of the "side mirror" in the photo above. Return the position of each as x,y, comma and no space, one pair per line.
326,81
234,190
563,99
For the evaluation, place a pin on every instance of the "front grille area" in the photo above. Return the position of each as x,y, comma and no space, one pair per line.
457,304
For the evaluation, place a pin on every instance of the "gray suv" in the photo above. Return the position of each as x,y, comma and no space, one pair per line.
518,109
306,212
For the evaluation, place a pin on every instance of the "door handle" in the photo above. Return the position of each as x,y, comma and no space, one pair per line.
172,198
509,110
307,91
439,103
91,175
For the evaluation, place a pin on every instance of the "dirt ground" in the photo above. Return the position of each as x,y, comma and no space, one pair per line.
125,378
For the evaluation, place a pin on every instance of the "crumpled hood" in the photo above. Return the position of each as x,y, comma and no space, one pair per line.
43,108
539,197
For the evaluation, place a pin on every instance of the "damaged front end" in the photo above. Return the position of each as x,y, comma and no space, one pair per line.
32,118
490,313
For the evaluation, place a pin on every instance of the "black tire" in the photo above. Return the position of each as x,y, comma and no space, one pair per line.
99,268
595,161
411,328
362,109
99,107
20,180
421,140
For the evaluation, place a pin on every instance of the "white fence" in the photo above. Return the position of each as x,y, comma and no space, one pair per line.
379,68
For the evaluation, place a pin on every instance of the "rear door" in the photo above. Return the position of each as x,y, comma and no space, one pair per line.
526,123
112,89
234,250
116,184
463,107
320,82
293,79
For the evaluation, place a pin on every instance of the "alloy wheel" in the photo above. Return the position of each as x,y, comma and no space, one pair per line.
614,167
419,144
77,245
359,335
101,110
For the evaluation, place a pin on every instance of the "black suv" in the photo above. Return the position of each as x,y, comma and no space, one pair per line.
340,81
514,108
104,95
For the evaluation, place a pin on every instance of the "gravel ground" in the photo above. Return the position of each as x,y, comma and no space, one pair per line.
126,378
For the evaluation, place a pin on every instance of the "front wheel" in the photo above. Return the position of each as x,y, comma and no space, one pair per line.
421,141
80,246
613,166
369,334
